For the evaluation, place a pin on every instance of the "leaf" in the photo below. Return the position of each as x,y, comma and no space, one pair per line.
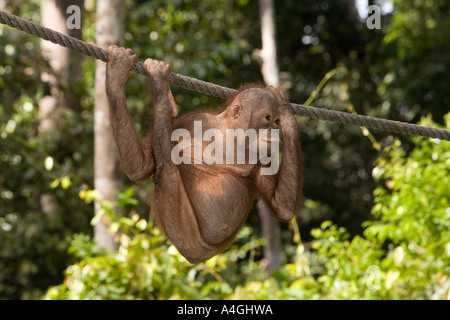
97,217
66,183
55,183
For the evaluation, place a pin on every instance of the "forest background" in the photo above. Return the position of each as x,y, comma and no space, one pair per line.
376,217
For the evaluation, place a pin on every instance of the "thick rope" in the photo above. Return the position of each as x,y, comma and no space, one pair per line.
223,92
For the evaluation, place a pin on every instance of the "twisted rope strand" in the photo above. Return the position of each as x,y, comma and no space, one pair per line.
220,91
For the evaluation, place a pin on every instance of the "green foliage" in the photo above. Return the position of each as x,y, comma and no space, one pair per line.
416,38
405,252
36,168
33,242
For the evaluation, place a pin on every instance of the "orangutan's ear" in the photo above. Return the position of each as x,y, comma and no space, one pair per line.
235,111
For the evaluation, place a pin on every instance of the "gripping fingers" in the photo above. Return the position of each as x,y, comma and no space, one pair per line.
160,80
121,58
280,95
158,69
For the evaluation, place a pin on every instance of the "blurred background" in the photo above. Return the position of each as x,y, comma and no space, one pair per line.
375,219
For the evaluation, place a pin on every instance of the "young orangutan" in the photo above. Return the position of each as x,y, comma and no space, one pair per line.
199,206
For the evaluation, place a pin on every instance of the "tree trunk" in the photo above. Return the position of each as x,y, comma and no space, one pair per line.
269,68
109,29
270,225
66,71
